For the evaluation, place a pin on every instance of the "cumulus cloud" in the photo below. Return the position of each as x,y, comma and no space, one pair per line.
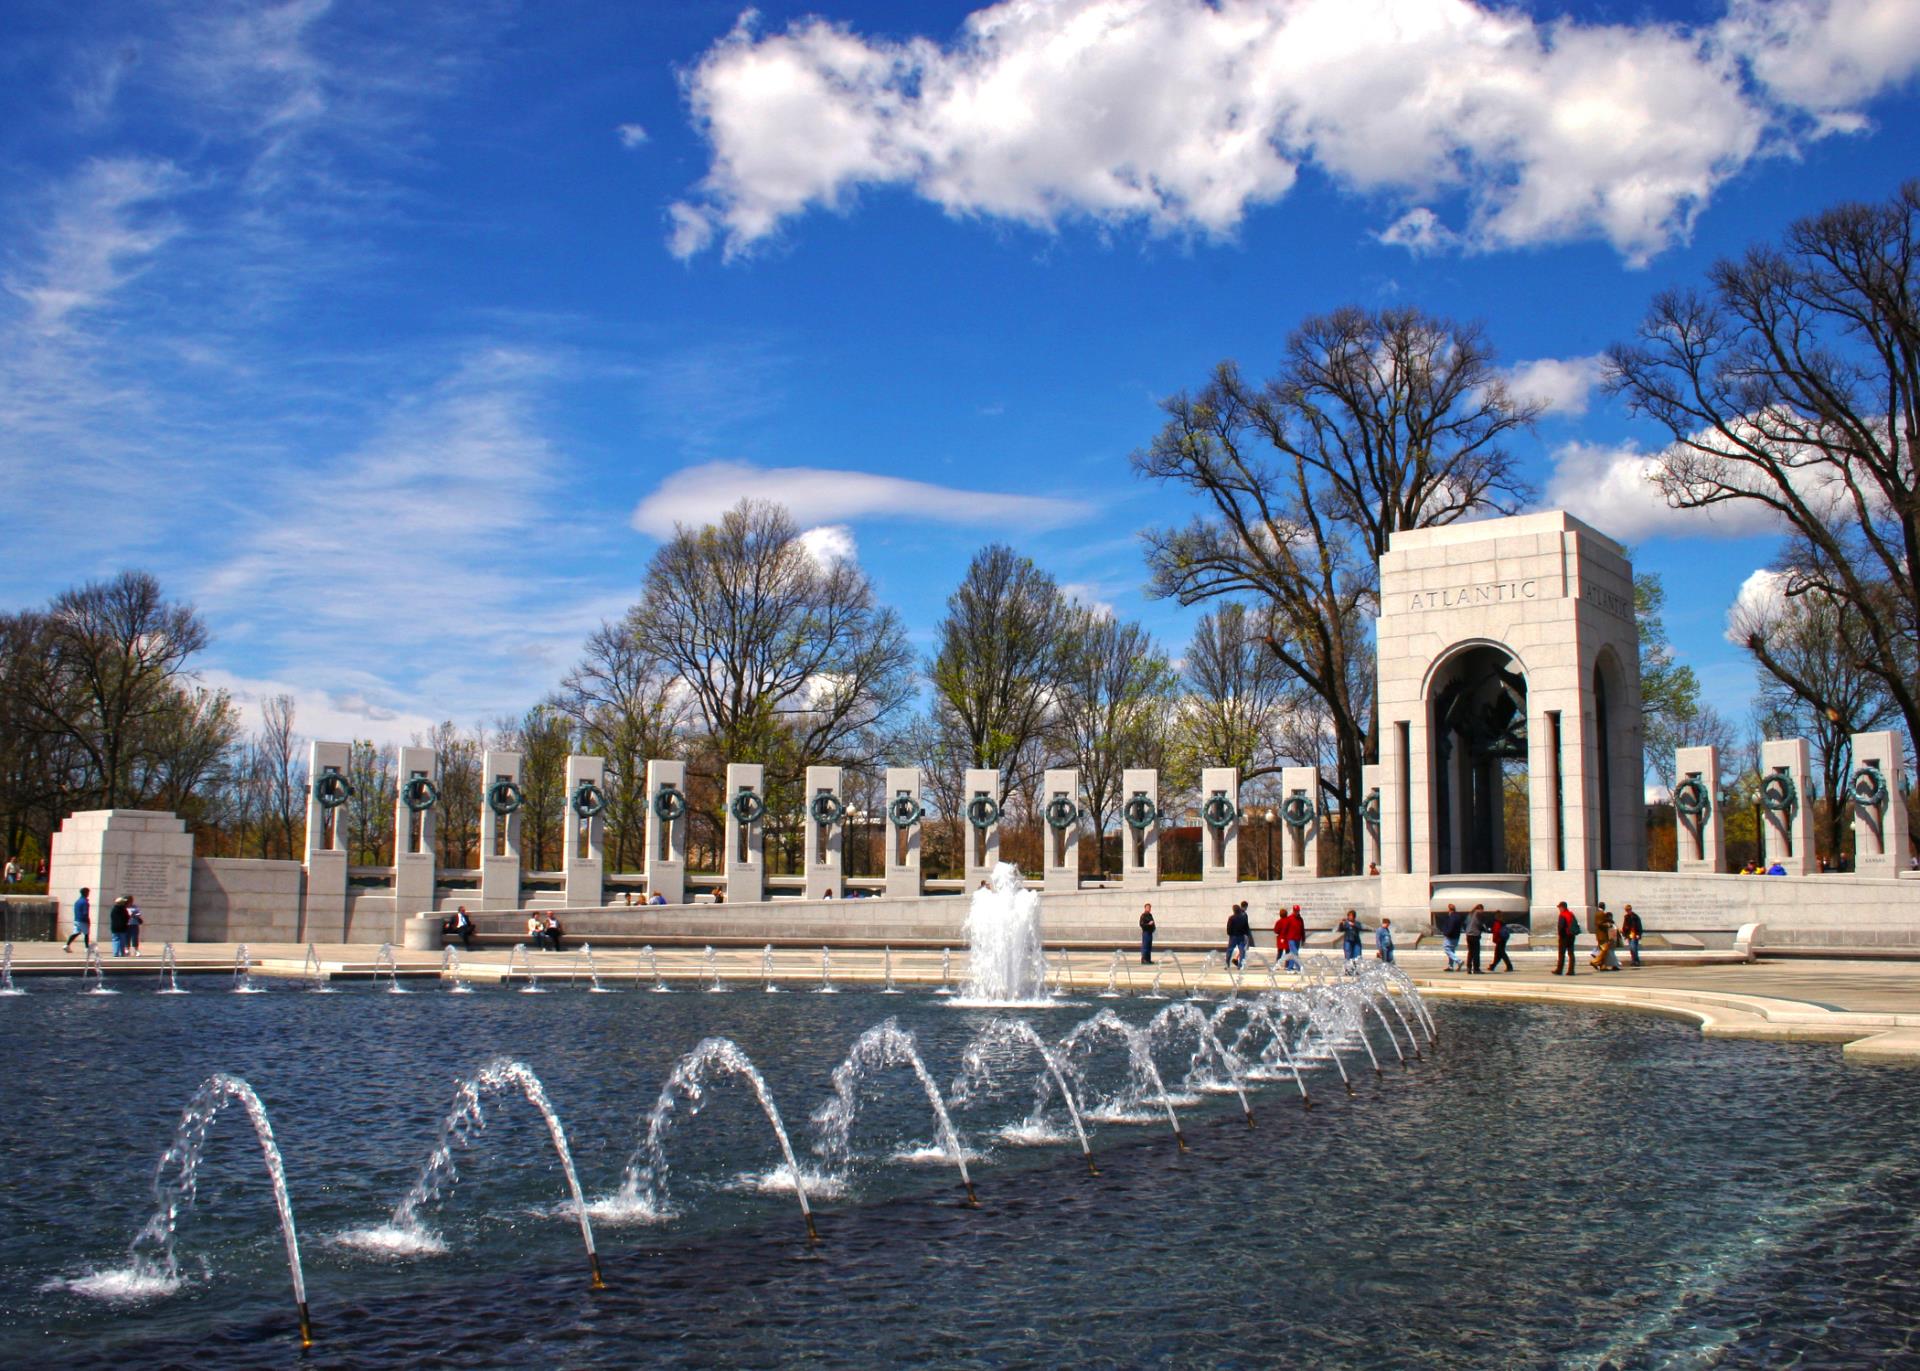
821,495
1560,385
830,543
1611,487
1762,600
1185,114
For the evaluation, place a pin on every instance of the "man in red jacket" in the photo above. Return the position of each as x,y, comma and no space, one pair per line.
1568,928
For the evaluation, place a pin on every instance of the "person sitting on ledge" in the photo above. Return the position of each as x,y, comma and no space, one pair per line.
553,931
1776,870
536,931
459,924
661,898
719,894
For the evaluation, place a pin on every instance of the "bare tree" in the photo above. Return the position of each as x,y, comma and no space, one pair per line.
543,738
1792,384
369,812
997,663
624,708
1113,701
1376,422
279,771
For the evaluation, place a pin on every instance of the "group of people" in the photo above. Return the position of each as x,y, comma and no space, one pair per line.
123,924
1472,927
13,873
543,930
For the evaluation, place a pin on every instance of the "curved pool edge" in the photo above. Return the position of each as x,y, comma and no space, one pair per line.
1865,1038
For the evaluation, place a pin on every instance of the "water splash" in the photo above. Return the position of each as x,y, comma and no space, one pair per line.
826,974
946,972
243,972
1112,990
660,986
96,971
405,1234
976,1074
451,973
386,961
714,986
766,970
1181,971
315,974
1182,1014
7,986
643,1189
890,988
593,972
1007,961
525,958
169,971
1144,1085
884,1045
153,1267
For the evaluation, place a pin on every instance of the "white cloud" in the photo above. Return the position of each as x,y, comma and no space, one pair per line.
103,225
1420,232
1561,385
820,495
830,543
1762,600
631,135
331,716
1088,596
1185,114
1612,489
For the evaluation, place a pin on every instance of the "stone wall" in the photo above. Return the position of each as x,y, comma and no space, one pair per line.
245,900
1806,911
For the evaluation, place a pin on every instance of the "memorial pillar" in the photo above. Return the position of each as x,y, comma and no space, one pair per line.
1140,828
415,870
1219,825
745,864
666,864
1700,828
1060,833
825,816
1786,815
904,802
981,832
500,802
1300,812
584,831
1880,843
323,908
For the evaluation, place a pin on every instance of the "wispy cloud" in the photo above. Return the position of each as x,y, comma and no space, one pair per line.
822,495
1560,385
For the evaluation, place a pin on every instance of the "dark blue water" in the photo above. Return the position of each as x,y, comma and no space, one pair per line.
1548,1188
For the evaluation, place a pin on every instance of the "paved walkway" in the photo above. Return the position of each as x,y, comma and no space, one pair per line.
1872,1007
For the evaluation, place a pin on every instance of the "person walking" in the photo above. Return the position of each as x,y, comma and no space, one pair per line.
134,919
1502,930
1239,935
1566,931
1383,941
1282,924
1296,937
1146,935
1603,938
1451,923
1350,937
1633,931
82,921
117,925
1475,930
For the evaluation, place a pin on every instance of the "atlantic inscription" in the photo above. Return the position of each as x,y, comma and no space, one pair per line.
1477,593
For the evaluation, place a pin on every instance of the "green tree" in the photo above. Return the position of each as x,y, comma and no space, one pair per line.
1669,690
998,662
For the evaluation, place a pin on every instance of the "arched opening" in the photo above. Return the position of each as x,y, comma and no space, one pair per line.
1479,765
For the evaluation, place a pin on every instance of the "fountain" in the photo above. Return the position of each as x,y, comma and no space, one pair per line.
653,965
643,1189
714,986
519,952
884,1045
315,974
243,972
946,972
153,1267
1200,977
7,986
826,974
1112,991
593,972
766,969
976,1073
96,971
1182,1014
1144,1083
890,988
404,1234
1180,971
1007,961
386,961
169,971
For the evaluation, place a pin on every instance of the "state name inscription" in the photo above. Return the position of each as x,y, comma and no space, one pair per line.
1477,593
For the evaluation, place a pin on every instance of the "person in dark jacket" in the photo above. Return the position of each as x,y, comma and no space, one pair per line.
82,921
1146,935
1566,928
1239,935
117,925
1476,929
1633,931
1502,930
1350,936
1451,923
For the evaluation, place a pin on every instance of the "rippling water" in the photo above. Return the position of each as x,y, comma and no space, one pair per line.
1549,1188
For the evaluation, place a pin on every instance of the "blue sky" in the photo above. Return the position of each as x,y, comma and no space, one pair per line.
395,336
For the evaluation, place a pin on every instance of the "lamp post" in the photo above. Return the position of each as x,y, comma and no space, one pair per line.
1272,817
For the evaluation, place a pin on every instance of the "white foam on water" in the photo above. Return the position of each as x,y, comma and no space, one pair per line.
622,1208
120,1283
1108,1114
1029,1134
928,1154
779,1181
391,1241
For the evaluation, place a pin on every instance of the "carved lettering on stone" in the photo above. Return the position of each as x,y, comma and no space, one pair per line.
1470,596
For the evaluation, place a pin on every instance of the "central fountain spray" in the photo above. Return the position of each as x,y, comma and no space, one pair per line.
1007,961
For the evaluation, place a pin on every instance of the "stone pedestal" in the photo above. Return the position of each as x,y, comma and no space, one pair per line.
903,840
1219,846
323,912
1699,840
982,844
499,835
666,865
745,863
1060,869
145,853
1139,846
414,869
585,863
1300,842
1788,832
1880,842
821,854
